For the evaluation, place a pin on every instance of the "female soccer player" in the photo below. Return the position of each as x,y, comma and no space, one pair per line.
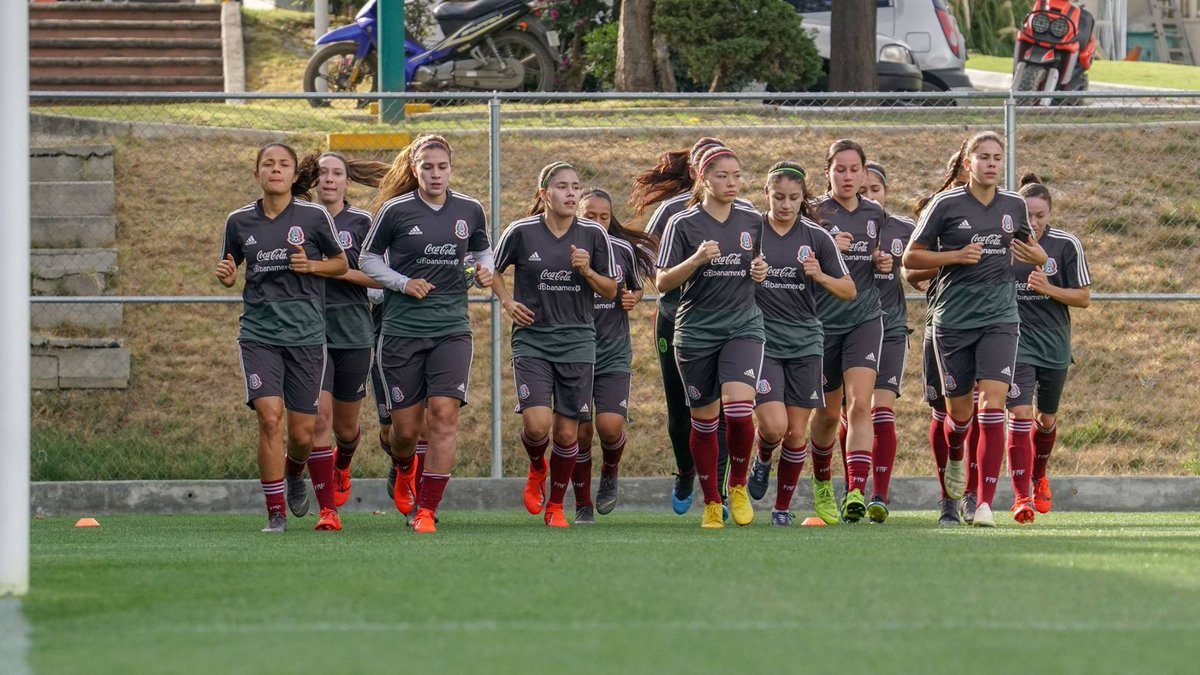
281,333
1045,296
976,229
670,184
426,231
709,251
800,255
559,261
632,259
853,331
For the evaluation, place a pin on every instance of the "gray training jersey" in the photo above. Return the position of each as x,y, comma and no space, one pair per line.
614,349
893,239
563,329
1046,323
983,294
348,323
281,307
863,223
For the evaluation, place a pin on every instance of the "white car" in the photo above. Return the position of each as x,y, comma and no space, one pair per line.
895,65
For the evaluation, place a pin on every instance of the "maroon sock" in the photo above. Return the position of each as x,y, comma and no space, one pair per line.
858,469
387,448
739,437
432,488
562,463
422,448
843,432
765,450
822,459
791,464
581,476
536,450
1043,443
972,447
1020,457
292,468
273,492
991,452
612,456
345,451
937,443
883,454
956,435
703,444
320,472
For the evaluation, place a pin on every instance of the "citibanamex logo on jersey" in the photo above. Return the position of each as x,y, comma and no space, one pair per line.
1014,391
397,395
897,248
764,387
346,239
872,230
804,252
693,392
460,229
254,381
1006,223
745,241
1050,267
295,235
523,392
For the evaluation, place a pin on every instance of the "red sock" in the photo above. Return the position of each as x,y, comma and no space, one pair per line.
562,463
991,452
345,451
822,458
292,468
703,444
433,486
765,450
791,464
843,431
956,434
972,449
422,448
937,443
612,456
858,463
385,446
1020,457
883,454
273,492
581,475
1043,443
536,450
739,436
320,472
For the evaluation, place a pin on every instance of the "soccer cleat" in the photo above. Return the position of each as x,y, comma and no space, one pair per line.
823,502
1042,499
1022,511
297,495
877,510
425,522
725,509
713,519
854,507
535,488
404,492
584,515
949,517
983,517
739,504
555,516
412,517
782,518
341,486
967,508
391,480
329,520
760,478
606,495
681,494
276,523
955,478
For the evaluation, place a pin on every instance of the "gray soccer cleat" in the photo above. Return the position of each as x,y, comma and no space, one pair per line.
606,495
782,518
955,478
968,508
949,517
297,495
760,477
276,523
584,516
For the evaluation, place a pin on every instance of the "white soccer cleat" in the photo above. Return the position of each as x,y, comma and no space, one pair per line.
983,517
955,478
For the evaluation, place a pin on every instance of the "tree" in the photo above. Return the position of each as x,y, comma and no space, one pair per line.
732,43
635,58
852,46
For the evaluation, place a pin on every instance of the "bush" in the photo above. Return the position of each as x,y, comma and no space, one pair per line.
600,56
991,26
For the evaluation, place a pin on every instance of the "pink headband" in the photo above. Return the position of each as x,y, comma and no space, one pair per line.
723,152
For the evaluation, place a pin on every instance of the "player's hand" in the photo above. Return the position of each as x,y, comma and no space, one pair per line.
1031,253
883,262
758,270
843,241
521,315
483,277
970,255
1038,281
299,261
581,260
227,271
418,288
375,296
629,299
706,252
812,268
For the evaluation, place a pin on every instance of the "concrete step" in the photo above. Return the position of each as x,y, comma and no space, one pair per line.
91,82
159,66
128,47
59,28
78,363
77,163
73,232
72,198
108,316
127,11
71,271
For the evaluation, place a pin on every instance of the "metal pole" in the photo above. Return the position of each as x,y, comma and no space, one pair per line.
494,181
391,58
321,27
14,302
1010,143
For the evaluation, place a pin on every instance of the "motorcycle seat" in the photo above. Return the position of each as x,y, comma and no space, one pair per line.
469,11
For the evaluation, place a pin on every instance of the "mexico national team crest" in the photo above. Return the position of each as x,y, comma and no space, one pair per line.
397,395
1014,391
346,240
254,381
804,253
897,248
872,230
764,387
745,241
460,229
620,274
1050,267
523,392
295,235
931,393
950,383
693,393
1006,224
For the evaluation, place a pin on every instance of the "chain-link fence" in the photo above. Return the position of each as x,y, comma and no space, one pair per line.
135,363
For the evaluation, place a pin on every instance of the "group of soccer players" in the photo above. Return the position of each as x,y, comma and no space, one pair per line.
782,332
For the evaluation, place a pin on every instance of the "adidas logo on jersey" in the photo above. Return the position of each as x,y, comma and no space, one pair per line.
1006,371
749,373
871,357
535,257
964,225
415,230
250,241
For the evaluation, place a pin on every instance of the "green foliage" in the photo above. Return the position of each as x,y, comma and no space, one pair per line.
991,26
600,54
731,43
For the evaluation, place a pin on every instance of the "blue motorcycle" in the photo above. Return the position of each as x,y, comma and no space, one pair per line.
489,45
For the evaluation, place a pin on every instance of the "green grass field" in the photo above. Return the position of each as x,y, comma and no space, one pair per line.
1147,74
499,592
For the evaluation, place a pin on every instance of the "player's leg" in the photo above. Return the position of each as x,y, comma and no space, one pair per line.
304,373
955,354
1020,441
581,476
679,420
738,368
770,417
995,357
262,372
702,388
572,397
1050,385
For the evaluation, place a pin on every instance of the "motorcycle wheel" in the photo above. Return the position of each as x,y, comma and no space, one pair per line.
540,70
340,62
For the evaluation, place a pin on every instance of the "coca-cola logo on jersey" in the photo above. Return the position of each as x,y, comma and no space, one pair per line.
727,259
277,254
441,249
988,239
859,247
556,275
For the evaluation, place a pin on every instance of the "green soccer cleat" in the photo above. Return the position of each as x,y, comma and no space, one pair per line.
823,502
854,506
877,510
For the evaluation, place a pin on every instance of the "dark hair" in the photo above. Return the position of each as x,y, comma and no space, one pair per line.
400,179
538,205
791,171
669,177
878,170
954,166
645,247
361,171
297,191
841,145
707,156
1032,187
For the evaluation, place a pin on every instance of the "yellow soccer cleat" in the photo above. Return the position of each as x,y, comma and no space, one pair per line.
739,504
713,518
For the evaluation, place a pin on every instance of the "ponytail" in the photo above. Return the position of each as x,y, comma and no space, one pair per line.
949,179
645,247
401,177
669,177
1032,187
361,171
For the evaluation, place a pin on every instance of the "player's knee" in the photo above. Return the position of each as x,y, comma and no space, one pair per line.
795,438
271,421
772,430
345,430
1046,420
442,419
609,430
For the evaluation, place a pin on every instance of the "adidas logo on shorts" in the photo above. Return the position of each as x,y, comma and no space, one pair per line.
1006,371
250,241
964,225
749,373
814,397
584,409
625,403
415,230
892,380
462,387
871,356
535,257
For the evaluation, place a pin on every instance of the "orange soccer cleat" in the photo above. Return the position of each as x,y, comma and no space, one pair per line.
555,516
1042,499
404,492
1022,511
341,486
425,522
535,488
330,520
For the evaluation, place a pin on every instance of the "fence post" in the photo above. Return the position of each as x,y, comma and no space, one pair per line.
1010,143
494,179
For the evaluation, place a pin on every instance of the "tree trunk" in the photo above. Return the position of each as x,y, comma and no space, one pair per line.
717,81
852,52
662,65
635,61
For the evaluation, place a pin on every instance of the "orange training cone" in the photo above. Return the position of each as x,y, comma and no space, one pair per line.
813,521
87,522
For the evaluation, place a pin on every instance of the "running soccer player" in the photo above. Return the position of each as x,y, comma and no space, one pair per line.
800,255
559,262
709,251
853,331
976,230
1045,296
288,245
632,259
426,231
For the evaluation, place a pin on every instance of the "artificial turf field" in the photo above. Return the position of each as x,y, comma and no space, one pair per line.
639,592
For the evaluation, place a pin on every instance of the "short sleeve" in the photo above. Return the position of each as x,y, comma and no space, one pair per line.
657,224
673,249
1021,215
479,240
829,256
379,237
231,245
633,280
929,227
1074,265
602,253
326,236
506,248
